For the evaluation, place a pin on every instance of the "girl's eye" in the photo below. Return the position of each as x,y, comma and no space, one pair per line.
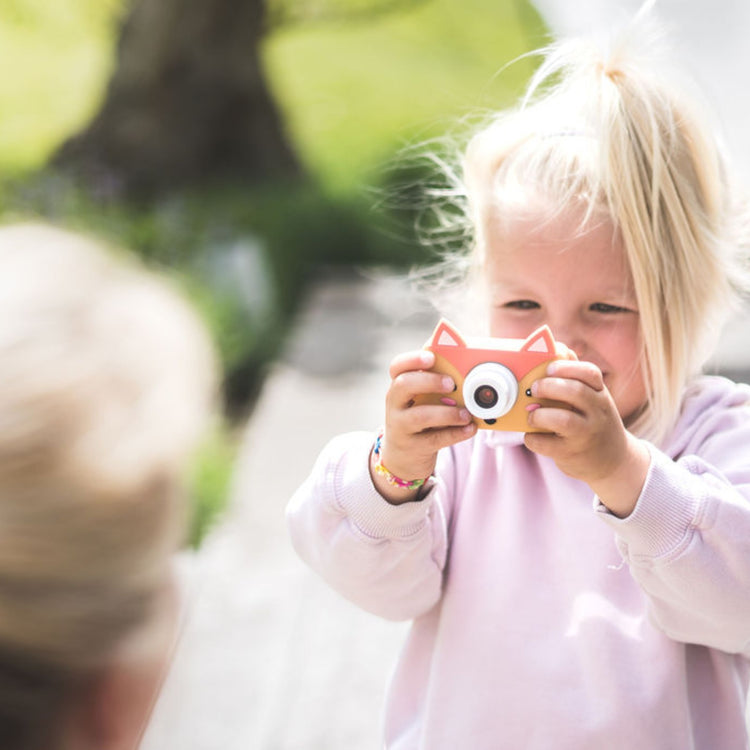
522,304
603,307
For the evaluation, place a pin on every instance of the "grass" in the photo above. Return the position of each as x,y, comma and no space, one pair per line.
56,58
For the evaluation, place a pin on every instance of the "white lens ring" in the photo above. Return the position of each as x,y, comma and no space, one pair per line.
490,376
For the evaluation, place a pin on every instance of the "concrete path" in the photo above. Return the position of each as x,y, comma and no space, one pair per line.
270,658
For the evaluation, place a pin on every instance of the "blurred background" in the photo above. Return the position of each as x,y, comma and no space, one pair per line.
241,145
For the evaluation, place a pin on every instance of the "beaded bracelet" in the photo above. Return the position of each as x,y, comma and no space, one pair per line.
404,484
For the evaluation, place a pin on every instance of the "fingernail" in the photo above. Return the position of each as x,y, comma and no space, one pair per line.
447,383
463,414
551,368
447,401
534,388
426,358
532,407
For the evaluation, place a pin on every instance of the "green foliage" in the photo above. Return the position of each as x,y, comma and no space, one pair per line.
297,228
353,93
56,59
350,91
210,482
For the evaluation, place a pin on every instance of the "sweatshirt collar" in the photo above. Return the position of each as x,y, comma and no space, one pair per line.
501,439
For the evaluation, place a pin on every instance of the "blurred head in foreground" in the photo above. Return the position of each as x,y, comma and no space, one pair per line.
106,381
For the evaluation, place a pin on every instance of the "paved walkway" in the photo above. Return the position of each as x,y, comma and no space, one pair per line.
270,658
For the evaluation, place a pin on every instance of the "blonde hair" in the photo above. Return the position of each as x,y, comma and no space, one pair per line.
106,380
609,131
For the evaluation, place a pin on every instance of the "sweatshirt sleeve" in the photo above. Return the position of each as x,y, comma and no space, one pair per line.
687,542
387,559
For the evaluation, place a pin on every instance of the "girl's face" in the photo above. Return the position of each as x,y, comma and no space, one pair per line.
577,281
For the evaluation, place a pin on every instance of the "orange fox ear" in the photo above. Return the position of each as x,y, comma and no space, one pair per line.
540,341
446,335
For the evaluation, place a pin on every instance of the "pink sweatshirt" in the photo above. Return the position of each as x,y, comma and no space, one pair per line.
541,621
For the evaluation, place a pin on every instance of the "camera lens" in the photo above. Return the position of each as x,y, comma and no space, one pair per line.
485,396
490,389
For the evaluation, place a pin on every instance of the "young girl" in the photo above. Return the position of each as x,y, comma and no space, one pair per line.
587,587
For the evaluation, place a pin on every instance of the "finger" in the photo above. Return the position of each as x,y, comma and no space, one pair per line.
408,385
556,420
431,441
421,359
450,435
585,372
578,395
427,417
545,444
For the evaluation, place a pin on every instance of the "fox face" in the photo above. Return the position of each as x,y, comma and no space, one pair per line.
493,376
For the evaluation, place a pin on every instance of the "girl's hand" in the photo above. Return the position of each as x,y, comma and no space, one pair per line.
415,433
590,441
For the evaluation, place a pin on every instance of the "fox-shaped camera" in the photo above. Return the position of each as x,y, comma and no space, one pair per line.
493,377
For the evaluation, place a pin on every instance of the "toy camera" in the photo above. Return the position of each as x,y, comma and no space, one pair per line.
493,376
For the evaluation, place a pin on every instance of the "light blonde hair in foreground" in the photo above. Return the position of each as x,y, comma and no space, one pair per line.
106,380
605,131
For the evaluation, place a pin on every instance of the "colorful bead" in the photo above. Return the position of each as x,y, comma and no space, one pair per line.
404,484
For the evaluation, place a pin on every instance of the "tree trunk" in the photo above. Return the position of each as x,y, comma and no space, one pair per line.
187,103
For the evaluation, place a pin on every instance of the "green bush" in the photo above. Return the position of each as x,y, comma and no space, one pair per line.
210,482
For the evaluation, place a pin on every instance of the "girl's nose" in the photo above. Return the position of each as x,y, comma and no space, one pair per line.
572,336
